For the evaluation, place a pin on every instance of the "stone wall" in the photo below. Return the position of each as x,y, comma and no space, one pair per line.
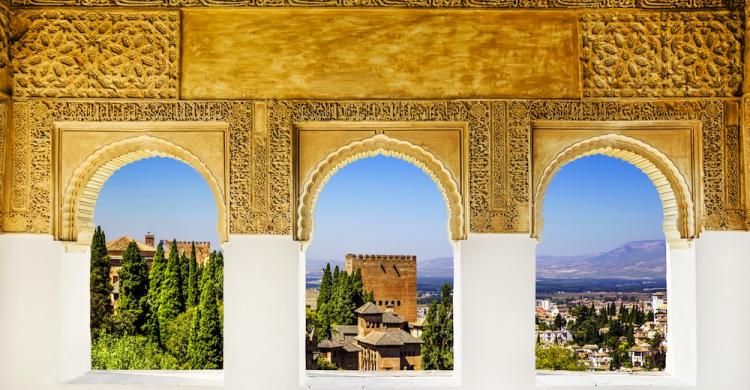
497,71
392,279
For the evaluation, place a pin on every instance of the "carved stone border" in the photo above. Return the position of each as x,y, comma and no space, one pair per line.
31,181
75,221
385,145
490,4
681,218
260,167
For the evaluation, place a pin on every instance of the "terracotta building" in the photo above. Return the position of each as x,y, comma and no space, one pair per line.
116,248
379,342
392,279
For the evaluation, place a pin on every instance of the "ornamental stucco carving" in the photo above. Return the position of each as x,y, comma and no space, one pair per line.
371,146
394,3
261,157
4,107
73,53
666,54
29,209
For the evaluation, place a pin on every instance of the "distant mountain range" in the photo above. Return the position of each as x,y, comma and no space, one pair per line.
632,260
441,267
637,260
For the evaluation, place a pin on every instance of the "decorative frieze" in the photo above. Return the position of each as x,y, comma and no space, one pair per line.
4,107
666,54
94,54
666,4
261,158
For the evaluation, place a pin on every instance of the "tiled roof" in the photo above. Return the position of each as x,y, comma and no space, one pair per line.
351,347
391,318
346,329
383,339
328,344
122,243
369,308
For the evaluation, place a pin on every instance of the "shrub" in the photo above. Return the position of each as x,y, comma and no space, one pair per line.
129,353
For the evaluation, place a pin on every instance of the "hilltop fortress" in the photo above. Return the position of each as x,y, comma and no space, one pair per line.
391,278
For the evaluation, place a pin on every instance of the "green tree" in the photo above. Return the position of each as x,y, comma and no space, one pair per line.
219,274
559,321
133,301
437,350
100,287
155,279
207,344
170,305
111,352
193,294
326,284
324,364
184,279
553,357
178,336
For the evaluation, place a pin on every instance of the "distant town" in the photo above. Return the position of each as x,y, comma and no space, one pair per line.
603,311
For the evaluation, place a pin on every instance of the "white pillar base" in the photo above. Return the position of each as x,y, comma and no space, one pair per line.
261,312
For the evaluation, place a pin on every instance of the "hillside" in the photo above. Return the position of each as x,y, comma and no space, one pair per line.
632,260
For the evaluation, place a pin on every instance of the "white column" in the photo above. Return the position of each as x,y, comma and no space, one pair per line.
723,280
261,305
498,289
75,309
29,311
681,313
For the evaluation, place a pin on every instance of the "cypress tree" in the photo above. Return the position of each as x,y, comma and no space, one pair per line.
100,287
170,304
325,286
184,279
194,350
133,301
437,350
219,274
193,294
208,344
155,279
336,276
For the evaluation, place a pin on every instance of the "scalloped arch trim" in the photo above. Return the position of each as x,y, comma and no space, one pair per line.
380,144
81,192
681,218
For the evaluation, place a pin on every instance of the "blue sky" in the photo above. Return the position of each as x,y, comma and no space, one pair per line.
161,195
597,203
380,205
386,205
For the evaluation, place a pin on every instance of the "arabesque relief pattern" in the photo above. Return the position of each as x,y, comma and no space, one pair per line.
34,122
687,4
260,170
4,36
4,107
70,53
664,54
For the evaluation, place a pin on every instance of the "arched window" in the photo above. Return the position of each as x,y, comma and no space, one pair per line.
157,244
380,243
601,270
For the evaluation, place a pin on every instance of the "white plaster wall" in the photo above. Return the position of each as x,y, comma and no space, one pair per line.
38,283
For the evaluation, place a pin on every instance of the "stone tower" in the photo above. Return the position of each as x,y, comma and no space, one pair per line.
392,279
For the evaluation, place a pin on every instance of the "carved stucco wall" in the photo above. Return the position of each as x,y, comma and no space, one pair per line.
395,3
664,54
260,171
126,54
261,156
4,124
